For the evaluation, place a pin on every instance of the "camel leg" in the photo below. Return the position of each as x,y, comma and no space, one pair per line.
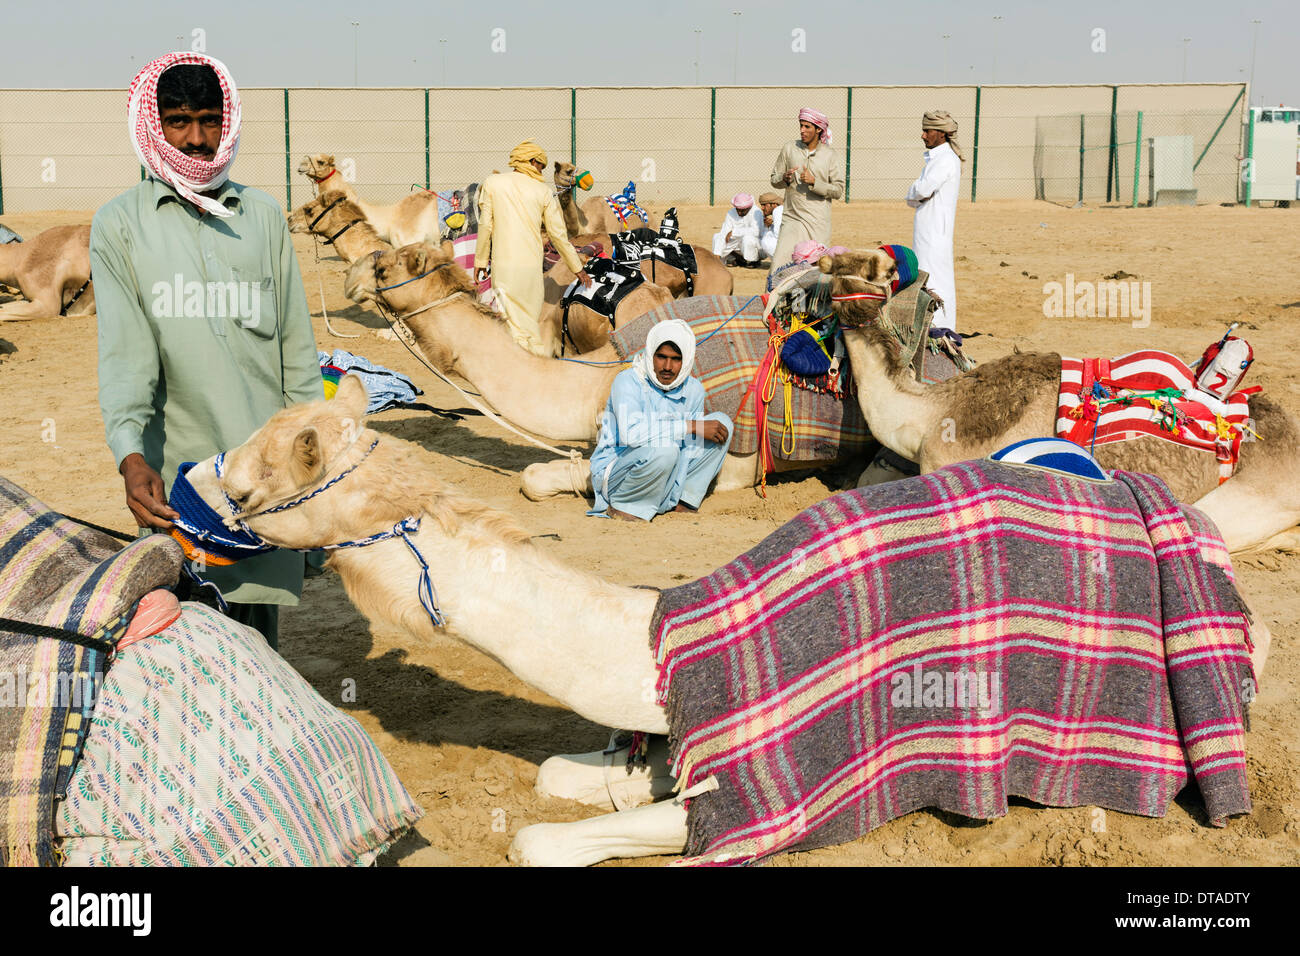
1247,516
646,831
601,779
738,471
546,479
22,311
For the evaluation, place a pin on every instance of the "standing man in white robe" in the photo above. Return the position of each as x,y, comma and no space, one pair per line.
934,197
770,205
811,175
741,230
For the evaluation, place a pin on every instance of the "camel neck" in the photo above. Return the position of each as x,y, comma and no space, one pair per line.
579,639
895,407
557,400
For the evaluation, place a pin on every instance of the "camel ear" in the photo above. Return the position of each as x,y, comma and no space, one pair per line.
557,165
415,257
351,398
327,159
825,263
306,460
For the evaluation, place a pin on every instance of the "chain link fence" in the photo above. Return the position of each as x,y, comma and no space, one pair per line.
67,149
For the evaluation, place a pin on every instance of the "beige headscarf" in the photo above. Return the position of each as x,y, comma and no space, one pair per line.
942,120
522,155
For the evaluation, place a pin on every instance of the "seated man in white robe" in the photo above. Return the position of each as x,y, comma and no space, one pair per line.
657,451
770,205
738,240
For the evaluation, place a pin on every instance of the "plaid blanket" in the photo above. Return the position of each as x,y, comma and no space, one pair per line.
1091,409
948,640
60,574
817,427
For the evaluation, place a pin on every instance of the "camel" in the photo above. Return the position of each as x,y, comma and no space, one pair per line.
462,336
594,215
52,271
340,222
1015,397
586,641
587,329
713,278
413,218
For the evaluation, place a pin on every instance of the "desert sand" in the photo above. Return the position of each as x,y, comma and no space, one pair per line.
466,737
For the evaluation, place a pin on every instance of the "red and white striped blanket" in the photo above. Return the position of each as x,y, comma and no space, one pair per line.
1149,393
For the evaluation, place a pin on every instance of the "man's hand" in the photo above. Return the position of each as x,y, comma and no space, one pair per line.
767,220
728,239
789,176
480,274
710,430
807,176
144,494
585,279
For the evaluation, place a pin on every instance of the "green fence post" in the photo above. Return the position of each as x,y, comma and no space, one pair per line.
426,138
2,195
1137,160
1250,157
1218,128
975,150
573,124
1081,158
288,182
713,138
1112,164
848,146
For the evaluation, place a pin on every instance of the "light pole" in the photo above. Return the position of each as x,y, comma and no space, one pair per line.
1186,40
1253,44
735,69
355,24
442,44
946,38
698,31
180,41
995,47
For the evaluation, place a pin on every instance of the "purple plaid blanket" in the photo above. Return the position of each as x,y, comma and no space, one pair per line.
819,427
946,641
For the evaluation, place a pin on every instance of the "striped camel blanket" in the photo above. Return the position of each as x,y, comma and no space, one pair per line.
813,426
947,641
1149,393
63,575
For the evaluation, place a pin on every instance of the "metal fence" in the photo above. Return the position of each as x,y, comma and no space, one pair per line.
67,149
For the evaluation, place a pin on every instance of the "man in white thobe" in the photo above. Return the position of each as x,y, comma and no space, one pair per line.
770,205
738,240
934,196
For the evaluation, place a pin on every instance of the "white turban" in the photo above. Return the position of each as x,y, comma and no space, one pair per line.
681,335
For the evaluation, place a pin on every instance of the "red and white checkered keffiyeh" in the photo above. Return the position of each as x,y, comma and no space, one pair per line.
187,174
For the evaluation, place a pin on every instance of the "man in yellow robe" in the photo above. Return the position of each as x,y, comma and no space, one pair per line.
513,208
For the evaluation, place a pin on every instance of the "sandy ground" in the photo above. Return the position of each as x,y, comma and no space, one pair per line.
466,737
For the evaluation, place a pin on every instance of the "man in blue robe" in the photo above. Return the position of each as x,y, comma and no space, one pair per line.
658,451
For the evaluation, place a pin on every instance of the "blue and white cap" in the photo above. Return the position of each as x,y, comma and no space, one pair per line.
1056,454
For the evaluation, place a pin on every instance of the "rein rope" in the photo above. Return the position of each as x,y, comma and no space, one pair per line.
315,247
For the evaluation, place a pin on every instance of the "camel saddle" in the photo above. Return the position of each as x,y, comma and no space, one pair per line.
611,283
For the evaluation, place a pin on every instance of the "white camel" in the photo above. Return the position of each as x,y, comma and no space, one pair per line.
413,218
586,643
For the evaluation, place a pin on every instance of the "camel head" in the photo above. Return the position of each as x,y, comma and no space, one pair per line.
305,446
864,275
338,212
418,274
318,167
565,175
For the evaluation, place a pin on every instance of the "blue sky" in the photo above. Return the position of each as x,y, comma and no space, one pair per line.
74,43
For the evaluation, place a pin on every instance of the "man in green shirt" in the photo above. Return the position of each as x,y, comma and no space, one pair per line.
204,330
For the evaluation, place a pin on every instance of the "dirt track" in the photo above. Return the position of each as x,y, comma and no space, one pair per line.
466,737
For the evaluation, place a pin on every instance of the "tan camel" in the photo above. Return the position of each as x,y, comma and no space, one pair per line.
462,336
413,218
52,271
339,222
565,632
713,277
1015,398
594,215
587,329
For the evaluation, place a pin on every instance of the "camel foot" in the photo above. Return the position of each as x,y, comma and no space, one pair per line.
546,479
646,831
603,779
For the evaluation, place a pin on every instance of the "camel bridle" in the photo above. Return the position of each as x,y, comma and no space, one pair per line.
330,241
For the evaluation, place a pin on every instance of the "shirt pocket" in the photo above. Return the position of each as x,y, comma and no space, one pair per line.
255,311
